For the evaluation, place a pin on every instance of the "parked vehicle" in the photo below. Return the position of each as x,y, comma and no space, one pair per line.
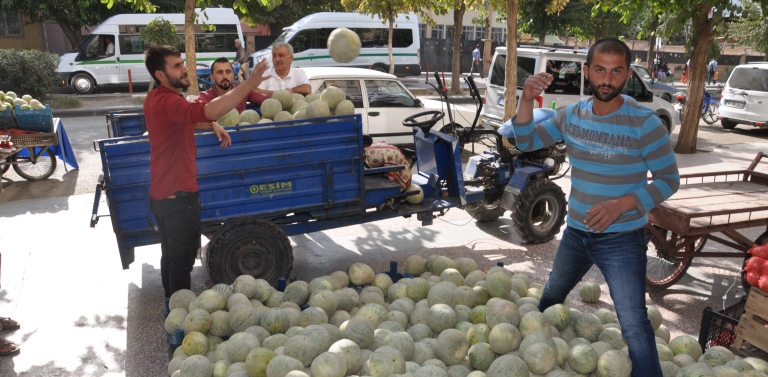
382,100
663,91
309,39
744,99
89,67
569,85
709,107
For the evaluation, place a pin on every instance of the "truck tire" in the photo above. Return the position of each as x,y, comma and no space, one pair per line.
489,210
539,212
257,248
83,83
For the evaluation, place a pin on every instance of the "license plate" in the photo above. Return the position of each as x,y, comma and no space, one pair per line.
501,101
735,105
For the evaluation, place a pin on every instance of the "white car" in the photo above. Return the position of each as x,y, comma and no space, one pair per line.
745,97
382,100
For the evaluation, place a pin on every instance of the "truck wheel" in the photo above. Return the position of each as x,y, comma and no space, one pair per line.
489,210
539,212
258,248
82,83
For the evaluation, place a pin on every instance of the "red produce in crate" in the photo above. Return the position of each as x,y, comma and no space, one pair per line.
763,283
753,278
759,251
755,264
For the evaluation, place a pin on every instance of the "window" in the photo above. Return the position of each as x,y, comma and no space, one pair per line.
11,25
497,34
351,90
567,77
449,31
480,32
303,41
634,87
422,31
438,32
219,38
466,32
749,78
387,93
525,68
379,37
94,47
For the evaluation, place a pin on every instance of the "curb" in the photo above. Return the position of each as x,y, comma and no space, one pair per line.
91,112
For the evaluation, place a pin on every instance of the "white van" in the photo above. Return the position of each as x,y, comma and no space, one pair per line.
569,86
309,39
89,66
745,97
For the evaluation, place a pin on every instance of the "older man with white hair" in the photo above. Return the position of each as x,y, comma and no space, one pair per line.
284,77
242,58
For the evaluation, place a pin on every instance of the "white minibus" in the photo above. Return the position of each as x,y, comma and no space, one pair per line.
309,39
90,65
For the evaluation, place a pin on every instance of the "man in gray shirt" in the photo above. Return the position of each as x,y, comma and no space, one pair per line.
242,58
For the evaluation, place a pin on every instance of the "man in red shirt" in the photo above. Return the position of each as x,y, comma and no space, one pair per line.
223,78
171,123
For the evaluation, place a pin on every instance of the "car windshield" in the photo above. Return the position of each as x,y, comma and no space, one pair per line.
643,73
284,37
749,78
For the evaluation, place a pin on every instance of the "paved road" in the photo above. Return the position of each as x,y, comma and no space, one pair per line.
82,315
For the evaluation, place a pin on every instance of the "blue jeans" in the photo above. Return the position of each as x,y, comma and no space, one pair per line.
621,258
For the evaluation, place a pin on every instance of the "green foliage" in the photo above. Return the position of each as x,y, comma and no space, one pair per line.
752,28
714,51
30,72
285,14
160,32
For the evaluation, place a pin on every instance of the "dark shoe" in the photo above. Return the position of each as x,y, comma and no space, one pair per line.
7,324
8,349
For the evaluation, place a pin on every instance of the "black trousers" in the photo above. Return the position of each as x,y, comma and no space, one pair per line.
178,220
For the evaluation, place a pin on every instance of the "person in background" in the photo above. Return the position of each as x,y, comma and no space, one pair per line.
477,61
223,82
282,75
684,77
638,60
241,58
174,193
612,144
657,62
711,70
110,51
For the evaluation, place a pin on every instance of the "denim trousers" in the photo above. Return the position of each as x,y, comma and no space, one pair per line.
178,220
622,260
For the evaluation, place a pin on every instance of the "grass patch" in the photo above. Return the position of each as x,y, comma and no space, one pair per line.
138,100
64,102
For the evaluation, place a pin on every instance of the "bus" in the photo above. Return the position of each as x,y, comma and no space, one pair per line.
90,66
309,39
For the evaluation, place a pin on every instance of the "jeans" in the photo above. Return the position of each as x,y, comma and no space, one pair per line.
178,220
477,64
622,260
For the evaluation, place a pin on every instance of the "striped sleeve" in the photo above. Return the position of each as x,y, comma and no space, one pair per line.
656,151
530,137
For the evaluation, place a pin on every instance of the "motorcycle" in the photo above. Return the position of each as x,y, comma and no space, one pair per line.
709,107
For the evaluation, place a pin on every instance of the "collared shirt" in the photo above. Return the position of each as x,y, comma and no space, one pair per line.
241,57
253,97
295,77
476,54
171,122
110,49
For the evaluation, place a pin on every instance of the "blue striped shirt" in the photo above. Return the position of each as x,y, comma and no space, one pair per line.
610,157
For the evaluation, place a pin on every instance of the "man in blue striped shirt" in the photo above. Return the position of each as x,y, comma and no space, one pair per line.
612,144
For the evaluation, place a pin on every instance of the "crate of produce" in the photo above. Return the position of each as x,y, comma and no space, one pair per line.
7,120
718,328
752,325
35,120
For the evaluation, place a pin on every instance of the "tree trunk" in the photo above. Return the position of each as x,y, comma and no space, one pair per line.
389,45
458,18
74,36
652,45
703,35
190,46
510,78
542,39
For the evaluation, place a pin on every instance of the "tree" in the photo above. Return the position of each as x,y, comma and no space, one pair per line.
286,13
459,8
752,28
387,10
537,21
159,32
70,15
596,22
508,9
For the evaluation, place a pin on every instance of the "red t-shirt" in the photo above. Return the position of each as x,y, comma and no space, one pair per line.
253,97
171,126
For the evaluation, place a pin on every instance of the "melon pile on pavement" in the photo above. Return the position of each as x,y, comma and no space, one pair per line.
452,320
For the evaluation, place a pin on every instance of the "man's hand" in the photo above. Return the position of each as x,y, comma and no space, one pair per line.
603,214
535,85
257,76
221,134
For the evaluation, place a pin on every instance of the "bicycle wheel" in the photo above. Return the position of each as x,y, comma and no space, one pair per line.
42,168
663,270
710,115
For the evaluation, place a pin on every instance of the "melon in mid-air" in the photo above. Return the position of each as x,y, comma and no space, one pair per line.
344,45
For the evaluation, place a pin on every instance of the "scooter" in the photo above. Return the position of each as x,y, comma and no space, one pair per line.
709,107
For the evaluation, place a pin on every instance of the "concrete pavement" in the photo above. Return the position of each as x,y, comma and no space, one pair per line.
82,315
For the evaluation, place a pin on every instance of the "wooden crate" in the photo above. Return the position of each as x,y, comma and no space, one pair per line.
752,324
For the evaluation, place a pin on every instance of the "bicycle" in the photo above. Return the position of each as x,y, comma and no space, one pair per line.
709,108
